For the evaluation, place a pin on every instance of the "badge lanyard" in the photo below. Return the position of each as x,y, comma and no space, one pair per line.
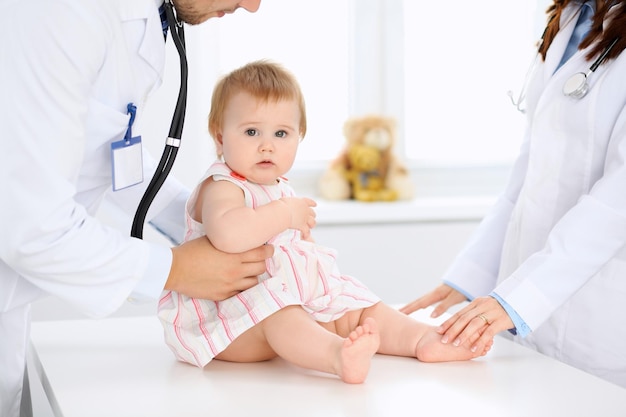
176,127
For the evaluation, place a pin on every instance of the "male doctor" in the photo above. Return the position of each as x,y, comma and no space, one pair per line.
69,70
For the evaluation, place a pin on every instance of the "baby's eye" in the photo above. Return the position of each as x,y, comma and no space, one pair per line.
281,134
252,132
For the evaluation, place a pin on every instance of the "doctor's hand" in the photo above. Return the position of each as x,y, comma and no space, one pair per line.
476,324
201,271
444,294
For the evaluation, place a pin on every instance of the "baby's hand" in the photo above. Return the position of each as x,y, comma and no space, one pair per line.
302,214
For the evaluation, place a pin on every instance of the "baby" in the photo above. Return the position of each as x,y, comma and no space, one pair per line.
302,309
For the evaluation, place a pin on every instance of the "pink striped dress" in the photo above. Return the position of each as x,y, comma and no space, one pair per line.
300,273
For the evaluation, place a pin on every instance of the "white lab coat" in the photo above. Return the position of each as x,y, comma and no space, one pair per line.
554,245
68,70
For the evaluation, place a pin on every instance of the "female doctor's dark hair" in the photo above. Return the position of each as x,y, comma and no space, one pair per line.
598,36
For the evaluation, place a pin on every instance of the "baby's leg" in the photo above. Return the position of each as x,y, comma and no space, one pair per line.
402,335
299,339
251,346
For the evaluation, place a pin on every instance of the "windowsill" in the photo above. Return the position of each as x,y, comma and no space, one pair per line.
431,209
442,194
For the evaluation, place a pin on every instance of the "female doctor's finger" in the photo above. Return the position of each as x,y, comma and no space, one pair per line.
500,322
453,298
468,317
483,344
487,318
426,300
444,294
480,342
460,334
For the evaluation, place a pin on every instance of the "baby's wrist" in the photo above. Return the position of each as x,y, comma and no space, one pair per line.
289,212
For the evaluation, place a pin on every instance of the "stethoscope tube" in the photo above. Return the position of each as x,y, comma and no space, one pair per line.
176,127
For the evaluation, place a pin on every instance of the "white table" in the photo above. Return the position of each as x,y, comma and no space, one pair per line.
121,367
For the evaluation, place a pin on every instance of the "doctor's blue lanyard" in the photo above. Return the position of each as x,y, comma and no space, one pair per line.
176,127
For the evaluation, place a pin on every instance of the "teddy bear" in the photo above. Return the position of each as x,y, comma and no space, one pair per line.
366,169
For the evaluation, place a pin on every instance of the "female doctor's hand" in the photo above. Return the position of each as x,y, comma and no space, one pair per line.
476,324
444,294
201,271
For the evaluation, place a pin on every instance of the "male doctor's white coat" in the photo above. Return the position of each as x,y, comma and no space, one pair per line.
554,245
69,69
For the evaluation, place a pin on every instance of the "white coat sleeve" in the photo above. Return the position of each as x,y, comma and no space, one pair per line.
47,236
588,236
475,270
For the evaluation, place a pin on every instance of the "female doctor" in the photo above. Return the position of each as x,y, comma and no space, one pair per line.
69,70
549,261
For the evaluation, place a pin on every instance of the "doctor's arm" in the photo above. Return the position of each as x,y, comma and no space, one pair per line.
474,271
581,243
197,269
49,234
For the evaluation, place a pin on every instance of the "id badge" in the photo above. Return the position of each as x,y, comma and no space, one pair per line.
127,163
126,157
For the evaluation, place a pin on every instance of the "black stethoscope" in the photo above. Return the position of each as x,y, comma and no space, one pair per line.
172,142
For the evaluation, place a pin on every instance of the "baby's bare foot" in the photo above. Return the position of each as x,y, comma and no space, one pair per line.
357,351
430,349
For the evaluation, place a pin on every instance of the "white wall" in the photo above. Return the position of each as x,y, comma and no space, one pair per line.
397,261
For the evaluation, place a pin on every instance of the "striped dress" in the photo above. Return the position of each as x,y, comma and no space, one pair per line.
300,273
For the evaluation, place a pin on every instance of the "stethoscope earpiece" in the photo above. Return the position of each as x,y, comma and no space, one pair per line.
576,86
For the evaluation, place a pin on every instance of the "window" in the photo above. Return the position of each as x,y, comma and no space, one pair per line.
443,75
311,40
458,67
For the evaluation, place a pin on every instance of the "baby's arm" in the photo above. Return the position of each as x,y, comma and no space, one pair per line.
233,227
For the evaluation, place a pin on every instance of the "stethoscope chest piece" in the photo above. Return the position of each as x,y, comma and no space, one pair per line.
576,86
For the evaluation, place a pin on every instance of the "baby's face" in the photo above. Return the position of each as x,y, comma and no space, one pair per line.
259,140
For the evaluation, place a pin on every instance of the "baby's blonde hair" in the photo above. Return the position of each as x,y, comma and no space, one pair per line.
264,80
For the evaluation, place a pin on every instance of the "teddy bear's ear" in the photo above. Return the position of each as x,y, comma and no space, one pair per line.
340,161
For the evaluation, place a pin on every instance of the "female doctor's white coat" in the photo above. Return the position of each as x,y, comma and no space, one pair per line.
554,245
69,69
